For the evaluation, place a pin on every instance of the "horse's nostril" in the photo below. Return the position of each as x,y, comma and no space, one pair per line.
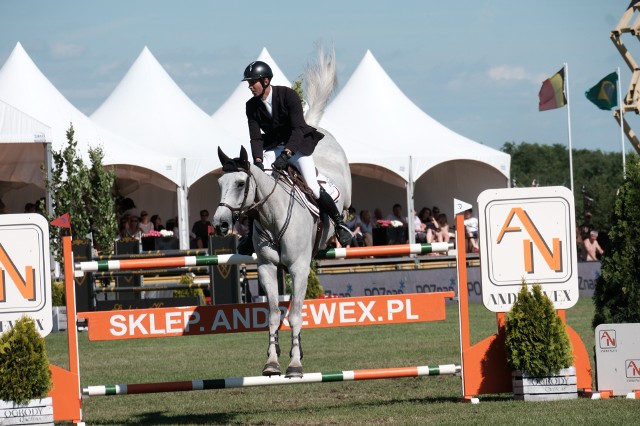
223,228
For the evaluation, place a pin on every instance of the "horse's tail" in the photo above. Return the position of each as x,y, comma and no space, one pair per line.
320,81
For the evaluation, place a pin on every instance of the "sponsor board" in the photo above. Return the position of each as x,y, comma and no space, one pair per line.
317,313
617,348
25,273
528,234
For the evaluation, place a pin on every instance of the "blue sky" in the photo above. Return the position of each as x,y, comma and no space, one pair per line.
475,66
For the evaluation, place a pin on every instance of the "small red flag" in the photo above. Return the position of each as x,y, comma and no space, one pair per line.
62,221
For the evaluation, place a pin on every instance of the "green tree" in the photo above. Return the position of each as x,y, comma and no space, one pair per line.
85,193
617,292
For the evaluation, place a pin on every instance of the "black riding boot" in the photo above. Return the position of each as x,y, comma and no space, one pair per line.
245,245
343,233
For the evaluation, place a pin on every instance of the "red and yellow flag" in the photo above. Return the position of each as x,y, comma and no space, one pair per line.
552,92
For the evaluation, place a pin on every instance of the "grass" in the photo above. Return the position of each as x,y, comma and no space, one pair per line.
432,400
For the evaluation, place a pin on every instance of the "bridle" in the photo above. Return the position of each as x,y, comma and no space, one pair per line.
236,212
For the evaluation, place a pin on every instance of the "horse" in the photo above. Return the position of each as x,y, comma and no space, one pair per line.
286,231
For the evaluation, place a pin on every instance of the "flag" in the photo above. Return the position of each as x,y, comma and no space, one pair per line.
605,94
62,221
552,92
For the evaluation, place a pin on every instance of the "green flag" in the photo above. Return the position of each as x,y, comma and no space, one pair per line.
605,94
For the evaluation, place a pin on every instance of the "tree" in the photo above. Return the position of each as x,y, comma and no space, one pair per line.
617,292
85,193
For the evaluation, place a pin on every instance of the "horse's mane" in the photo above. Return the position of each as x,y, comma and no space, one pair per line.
319,83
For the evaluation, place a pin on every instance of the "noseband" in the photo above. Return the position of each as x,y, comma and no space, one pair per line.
236,212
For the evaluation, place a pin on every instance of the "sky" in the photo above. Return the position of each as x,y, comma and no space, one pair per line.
475,66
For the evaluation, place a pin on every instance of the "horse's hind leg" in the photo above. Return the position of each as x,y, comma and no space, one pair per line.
269,281
299,289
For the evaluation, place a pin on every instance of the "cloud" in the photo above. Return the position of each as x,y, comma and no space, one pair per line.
60,50
513,73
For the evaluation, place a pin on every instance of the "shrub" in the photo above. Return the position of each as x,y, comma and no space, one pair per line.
24,367
617,292
536,338
314,288
58,297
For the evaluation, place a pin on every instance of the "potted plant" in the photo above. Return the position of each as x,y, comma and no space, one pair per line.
25,378
58,300
538,348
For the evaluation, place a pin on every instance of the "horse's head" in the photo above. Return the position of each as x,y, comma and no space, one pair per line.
236,191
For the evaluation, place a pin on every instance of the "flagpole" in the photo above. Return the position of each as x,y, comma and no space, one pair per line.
624,161
566,77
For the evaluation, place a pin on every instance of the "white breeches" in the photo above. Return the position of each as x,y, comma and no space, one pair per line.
304,163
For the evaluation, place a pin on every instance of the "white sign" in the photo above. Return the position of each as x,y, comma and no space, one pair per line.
25,273
618,357
530,234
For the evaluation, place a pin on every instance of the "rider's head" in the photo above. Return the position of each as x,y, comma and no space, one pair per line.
258,72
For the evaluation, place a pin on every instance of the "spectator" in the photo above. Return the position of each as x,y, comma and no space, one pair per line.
157,223
29,208
201,230
145,224
377,214
396,214
471,227
129,208
591,247
366,227
172,225
353,223
133,230
443,235
420,229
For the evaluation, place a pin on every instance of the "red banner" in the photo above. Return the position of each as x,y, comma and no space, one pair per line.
317,313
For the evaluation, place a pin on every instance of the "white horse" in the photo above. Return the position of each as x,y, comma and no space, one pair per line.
286,231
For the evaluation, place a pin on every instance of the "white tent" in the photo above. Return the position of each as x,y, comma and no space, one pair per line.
24,148
149,108
26,89
390,142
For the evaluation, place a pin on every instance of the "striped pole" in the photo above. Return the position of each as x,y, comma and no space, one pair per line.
169,262
241,382
390,250
162,287
235,259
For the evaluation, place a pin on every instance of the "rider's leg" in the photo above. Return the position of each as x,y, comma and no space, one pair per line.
307,167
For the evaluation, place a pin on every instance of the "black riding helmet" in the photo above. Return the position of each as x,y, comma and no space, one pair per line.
258,70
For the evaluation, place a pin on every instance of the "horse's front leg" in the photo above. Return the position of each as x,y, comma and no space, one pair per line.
269,281
299,276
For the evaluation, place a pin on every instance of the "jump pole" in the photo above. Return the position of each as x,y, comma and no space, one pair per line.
236,259
242,382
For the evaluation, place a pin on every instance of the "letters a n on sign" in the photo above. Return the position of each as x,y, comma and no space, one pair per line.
530,234
25,273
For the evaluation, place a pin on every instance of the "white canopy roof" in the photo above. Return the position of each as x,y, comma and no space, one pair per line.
149,108
384,128
25,88
231,115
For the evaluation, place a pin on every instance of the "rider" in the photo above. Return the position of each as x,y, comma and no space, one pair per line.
280,135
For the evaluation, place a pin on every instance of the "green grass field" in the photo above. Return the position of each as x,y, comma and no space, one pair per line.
433,400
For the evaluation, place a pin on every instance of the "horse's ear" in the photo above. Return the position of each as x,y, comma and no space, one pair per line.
243,154
222,156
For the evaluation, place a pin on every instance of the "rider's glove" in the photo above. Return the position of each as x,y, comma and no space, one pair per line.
259,164
282,160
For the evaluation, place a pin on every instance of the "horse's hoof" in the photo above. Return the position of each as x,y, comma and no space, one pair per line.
294,373
271,369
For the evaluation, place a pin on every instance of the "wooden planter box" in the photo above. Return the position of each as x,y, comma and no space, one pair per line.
34,412
160,243
549,388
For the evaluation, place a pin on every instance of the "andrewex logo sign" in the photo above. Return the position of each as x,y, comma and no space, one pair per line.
25,273
527,233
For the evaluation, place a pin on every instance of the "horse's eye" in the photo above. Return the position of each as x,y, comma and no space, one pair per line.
240,185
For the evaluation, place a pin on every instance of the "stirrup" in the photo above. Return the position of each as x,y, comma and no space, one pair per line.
343,234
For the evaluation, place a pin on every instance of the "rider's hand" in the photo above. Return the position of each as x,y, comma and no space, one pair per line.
281,161
259,164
